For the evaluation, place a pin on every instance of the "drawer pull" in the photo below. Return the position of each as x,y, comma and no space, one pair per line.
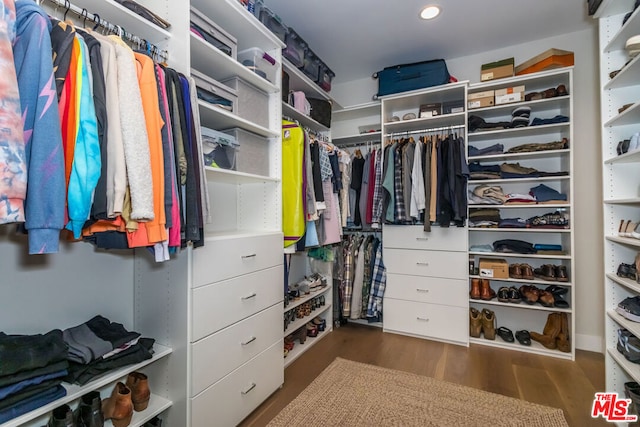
426,264
251,387
424,291
252,339
248,256
253,295
422,319
424,239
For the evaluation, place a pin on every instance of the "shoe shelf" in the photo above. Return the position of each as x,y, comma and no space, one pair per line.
629,241
523,206
633,327
535,347
219,118
632,285
293,326
75,391
234,177
629,29
632,369
524,155
157,405
365,322
520,305
518,180
625,201
444,120
628,76
628,157
536,106
517,132
523,230
629,116
524,281
307,297
515,255
299,349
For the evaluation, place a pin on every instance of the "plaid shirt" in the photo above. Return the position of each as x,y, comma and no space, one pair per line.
347,277
400,211
378,285
377,192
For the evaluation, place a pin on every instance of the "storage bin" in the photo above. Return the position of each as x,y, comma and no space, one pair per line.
205,28
253,152
311,65
219,149
253,104
214,92
295,49
260,62
325,77
273,22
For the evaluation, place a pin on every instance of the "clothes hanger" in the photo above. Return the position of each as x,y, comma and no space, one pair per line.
67,5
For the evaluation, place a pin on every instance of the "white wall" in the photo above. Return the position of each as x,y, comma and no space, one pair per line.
587,162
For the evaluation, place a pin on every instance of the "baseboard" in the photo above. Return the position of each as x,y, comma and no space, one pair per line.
589,343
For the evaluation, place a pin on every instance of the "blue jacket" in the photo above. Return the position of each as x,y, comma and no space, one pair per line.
45,203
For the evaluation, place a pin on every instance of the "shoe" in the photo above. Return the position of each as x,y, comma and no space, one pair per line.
503,294
561,90
89,411
523,337
632,349
153,422
118,408
488,324
300,335
529,294
62,416
623,147
559,302
545,298
556,290
475,323
632,46
289,343
514,295
312,330
515,271
629,308
527,271
632,391
320,323
623,337
505,334
138,383
550,93
486,293
627,271
474,293
564,344
545,272
633,142
533,96
549,335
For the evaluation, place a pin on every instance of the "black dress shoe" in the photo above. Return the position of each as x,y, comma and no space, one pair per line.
503,294
514,295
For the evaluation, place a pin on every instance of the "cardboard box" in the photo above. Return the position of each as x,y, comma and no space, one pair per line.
510,94
430,110
481,99
497,70
547,60
494,268
452,107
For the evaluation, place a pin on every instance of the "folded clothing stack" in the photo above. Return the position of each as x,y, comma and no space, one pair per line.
486,194
539,146
520,117
484,218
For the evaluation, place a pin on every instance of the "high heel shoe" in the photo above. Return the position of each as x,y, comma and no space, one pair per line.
118,408
138,383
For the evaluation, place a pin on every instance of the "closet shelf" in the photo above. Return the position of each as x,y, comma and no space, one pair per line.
629,29
362,137
633,327
524,206
629,241
628,157
207,59
628,76
306,298
75,391
358,111
365,322
524,156
219,118
537,105
517,132
299,349
237,234
629,201
541,80
632,369
515,255
535,348
157,405
627,283
234,177
299,81
522,305
517,180
302,119
443,121
524,230
293,326
630,116
524,282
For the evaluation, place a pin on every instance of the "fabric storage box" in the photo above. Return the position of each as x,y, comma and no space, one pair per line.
253,152
325,77
295,49
214,92
219,149
509,95
547,60
311,65
481,99
497,70
273,22
260,62
253,104
205,28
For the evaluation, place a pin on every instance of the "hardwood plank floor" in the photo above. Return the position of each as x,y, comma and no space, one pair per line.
545,380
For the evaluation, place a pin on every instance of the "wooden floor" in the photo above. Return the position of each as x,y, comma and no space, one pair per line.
545,380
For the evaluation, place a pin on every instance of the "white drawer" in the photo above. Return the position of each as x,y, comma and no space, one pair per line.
234,397
452,265
414,237
428,289
222,259
427,320
215,356
223,303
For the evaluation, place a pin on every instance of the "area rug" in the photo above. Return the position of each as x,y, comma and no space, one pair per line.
350,394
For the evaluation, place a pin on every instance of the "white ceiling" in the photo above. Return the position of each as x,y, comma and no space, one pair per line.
356,38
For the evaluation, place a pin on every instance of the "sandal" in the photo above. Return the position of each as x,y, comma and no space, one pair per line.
505,334
523,337
559,302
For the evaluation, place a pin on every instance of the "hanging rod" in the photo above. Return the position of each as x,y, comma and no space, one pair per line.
118,30
357,144
430,130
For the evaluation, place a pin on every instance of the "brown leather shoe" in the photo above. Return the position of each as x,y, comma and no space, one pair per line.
474,293
546,272
475,323
489,324
563,343
486,293
561,90
560,273
527,271
140,393
118,408
529,294
549,335
545,298
515,271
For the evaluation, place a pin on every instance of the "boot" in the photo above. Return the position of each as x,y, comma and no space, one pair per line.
475,323
475,289
486,293
563,337
89,411
62,416
118,408
154,422
140,393
549,335
489,324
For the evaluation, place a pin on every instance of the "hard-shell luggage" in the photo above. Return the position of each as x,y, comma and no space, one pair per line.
406,77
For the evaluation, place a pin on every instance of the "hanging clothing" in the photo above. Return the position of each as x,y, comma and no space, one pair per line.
293,221
357,169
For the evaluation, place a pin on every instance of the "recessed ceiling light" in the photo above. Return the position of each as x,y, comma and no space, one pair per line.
430,12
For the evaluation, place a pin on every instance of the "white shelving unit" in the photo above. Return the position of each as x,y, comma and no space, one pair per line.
620,176
522,316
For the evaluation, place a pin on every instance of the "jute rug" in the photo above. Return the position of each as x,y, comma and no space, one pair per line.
350,393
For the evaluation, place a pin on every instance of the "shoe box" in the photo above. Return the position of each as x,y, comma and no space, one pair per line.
494,268
508,95
497,70
481,99
547,60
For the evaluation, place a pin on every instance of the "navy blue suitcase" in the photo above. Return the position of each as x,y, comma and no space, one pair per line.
405,77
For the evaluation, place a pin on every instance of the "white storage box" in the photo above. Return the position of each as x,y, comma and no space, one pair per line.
214,92
204,27
219,149
260,62
253,104
253,152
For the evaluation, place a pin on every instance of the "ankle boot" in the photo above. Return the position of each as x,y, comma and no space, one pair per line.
89,411
62,416
118,408
475,323
489,324
564,344
486,293
549,335
475,289
140,393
